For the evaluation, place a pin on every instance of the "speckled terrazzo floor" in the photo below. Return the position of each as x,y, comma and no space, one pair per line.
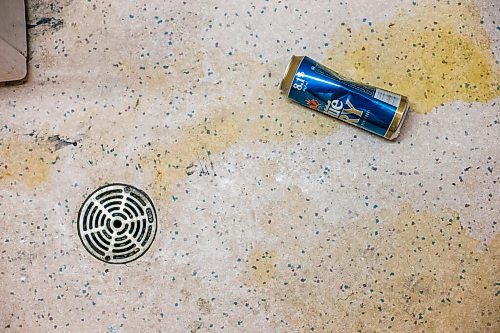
271,218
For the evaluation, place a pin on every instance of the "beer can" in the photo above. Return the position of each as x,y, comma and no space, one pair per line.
317,87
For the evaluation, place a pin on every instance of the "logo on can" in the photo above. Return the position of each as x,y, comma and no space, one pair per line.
319,88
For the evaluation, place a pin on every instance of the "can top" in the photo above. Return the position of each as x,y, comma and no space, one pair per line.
291,69
397,121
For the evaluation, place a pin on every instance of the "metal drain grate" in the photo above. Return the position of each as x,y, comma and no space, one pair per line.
117,223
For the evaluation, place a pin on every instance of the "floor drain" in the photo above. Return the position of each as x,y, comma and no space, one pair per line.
117,223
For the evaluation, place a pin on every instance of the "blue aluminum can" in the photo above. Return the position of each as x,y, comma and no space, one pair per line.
312,85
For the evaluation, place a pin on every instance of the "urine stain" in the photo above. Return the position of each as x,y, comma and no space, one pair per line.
223,129
240,116
261,267
26,159
435,53
400,270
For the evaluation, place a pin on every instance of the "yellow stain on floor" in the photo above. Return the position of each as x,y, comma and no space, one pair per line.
221,130
26,160
249,109
264,117
400,270
261,267
225,128
434,54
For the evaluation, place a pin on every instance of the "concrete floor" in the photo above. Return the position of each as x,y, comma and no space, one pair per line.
272,218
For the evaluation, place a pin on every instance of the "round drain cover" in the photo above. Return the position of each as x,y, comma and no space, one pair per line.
117,223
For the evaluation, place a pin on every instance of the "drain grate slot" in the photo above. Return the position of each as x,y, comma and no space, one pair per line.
93,246
103,240
136,204
138,198
108,193
117,223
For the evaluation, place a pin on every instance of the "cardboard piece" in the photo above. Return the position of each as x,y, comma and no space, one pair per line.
13,44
